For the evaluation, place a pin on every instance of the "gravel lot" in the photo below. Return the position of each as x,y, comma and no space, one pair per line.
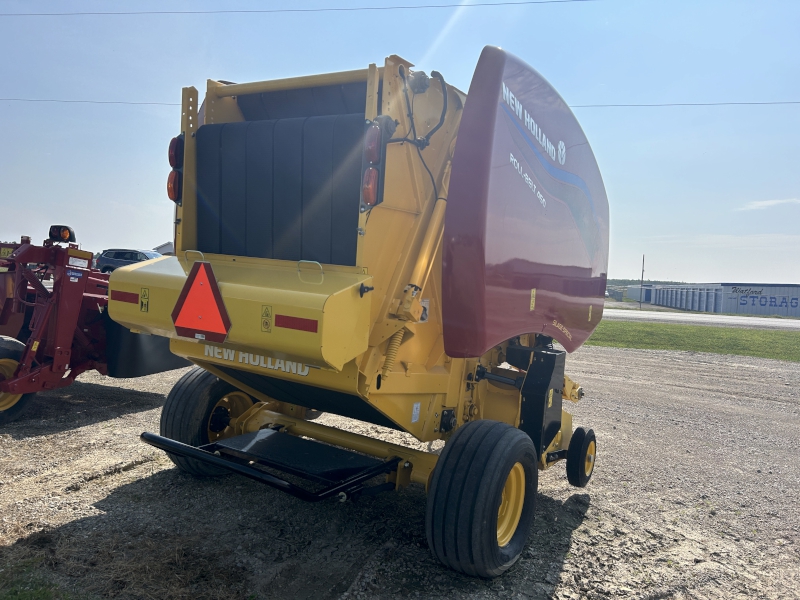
695,495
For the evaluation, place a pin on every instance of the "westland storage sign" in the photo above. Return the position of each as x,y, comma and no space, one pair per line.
762,299
780,300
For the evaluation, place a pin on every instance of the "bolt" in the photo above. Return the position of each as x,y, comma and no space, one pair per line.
406,465
342,497
435,414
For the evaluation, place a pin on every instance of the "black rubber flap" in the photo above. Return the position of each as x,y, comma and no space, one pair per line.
305,458
135,355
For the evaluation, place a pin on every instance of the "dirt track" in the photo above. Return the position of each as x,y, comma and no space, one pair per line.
695,495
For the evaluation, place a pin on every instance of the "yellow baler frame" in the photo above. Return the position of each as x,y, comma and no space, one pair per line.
404,373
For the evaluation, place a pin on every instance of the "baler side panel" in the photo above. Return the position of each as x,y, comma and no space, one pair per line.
526,248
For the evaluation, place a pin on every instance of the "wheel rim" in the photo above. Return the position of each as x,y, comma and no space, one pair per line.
511,505
8,367
588,465
231,406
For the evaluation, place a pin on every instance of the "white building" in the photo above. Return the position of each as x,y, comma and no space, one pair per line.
767,299
165,248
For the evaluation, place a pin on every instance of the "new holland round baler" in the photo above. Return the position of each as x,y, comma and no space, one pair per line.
379,245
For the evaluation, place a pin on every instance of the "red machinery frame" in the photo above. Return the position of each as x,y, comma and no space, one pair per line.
64,325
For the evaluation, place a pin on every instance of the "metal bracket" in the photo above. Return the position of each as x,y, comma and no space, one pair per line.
483,373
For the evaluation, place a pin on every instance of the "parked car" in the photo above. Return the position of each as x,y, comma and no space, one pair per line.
113,259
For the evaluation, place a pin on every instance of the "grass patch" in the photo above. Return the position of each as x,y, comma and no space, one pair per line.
781,345
21,581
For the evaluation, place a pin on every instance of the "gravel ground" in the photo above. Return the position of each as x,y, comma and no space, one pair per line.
695,495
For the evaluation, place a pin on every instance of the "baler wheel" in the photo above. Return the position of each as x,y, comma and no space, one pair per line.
11,405
581,457
197,412
482,498
230,406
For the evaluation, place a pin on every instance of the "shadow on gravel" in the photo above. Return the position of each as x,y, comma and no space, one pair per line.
78,405
172,536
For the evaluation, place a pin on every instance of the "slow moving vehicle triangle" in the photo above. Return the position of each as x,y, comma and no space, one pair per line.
200,312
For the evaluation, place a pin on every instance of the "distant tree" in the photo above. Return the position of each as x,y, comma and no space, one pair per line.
627,282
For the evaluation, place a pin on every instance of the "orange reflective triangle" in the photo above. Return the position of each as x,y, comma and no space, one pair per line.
200,312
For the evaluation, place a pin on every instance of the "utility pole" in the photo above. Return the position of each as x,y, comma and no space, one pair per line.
641,285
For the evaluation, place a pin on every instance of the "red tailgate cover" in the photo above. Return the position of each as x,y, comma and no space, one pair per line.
526,229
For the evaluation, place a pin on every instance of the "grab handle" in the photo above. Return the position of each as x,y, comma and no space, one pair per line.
310,262
186,254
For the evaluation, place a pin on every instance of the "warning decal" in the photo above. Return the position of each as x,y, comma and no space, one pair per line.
266,318
200,312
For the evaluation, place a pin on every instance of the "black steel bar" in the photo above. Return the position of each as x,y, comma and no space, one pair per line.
483,373
348,485
557,455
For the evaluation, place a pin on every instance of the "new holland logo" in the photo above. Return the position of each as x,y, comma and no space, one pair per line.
258,360
553,151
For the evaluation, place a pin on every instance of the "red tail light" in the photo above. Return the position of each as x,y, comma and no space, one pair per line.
176,152
369,186
174,186
372,144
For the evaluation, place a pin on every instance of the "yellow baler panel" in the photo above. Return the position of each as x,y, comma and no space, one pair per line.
254,292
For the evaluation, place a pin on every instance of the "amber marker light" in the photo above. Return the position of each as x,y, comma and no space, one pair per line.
372,144
65,234
369,187
174,186
176,152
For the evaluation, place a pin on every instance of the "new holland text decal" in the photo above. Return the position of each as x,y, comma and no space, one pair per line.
257,360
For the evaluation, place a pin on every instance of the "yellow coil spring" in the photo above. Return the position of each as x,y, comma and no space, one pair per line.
391,352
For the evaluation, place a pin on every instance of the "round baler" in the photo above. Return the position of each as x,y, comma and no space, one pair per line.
379,245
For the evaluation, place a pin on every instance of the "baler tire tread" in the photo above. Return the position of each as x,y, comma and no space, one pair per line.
13,349
461,516
185,416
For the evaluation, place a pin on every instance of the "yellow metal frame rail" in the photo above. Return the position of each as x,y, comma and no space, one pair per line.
292,83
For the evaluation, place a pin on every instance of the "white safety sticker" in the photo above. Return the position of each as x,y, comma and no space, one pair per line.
74,261
415,412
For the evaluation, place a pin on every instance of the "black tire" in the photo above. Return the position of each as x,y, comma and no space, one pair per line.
461,520
187,413
107,270
11,350
579,471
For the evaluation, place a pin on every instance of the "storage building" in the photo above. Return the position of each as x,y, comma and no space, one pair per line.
778,299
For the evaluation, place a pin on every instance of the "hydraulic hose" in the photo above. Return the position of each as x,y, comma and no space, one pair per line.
444,106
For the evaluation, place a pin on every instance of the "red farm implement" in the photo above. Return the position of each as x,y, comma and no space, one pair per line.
54,323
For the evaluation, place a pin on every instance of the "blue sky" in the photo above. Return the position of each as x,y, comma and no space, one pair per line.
707,193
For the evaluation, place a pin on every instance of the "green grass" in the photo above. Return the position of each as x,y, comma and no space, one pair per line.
781,345
21,581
